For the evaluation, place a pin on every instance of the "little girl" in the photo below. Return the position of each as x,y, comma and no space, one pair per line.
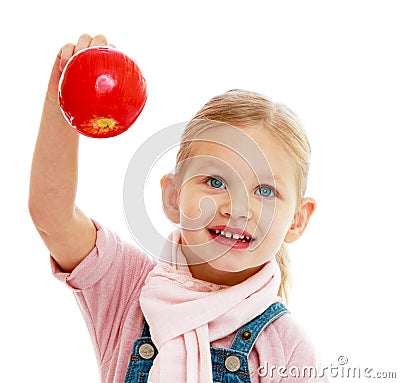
210,309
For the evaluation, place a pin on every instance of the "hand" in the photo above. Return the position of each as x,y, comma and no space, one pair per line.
64,55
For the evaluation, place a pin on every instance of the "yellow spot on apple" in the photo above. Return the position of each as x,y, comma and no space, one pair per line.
105,124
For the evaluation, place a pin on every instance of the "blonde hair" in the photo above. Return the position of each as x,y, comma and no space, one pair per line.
243,108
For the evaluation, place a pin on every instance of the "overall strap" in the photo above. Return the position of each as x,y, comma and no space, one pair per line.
247,335
145,330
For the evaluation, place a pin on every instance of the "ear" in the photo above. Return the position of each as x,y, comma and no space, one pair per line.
170,197
300,220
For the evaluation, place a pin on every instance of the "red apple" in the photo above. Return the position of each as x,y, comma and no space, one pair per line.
101,92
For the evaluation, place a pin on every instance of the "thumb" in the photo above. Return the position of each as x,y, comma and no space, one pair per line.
61,60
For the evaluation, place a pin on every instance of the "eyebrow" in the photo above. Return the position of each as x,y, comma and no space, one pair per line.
275,179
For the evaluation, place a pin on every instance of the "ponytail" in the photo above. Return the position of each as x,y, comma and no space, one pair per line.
283,259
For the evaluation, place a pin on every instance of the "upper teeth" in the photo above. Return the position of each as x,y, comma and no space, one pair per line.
228,234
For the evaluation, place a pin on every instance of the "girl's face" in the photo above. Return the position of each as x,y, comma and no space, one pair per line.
237,200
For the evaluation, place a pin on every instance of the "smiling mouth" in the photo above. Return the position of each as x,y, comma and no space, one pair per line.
231,236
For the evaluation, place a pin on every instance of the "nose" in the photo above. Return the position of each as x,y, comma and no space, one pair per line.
236,206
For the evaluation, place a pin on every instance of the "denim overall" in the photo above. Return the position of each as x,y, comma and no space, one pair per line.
228,365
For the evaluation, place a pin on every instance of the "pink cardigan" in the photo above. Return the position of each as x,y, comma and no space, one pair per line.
107,286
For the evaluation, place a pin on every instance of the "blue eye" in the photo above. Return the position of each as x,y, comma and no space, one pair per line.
215,183
266,191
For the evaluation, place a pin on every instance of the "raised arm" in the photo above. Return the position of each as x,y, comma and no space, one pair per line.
66,231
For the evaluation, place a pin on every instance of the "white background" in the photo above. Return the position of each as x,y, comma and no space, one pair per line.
335,63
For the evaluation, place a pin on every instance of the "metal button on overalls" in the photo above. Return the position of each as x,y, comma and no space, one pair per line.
146,351
232,363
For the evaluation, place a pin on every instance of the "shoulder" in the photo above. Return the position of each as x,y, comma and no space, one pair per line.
287,340
285,352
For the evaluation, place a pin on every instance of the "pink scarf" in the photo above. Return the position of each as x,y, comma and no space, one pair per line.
186,314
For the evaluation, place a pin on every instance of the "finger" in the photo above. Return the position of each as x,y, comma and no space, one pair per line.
83,42
98,40
65,54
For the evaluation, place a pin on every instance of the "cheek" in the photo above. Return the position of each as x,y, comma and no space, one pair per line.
274,227
196,211
266,215
281,224
189,208
188,205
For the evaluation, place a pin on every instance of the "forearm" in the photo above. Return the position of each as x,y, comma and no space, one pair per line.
54,172
68,233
